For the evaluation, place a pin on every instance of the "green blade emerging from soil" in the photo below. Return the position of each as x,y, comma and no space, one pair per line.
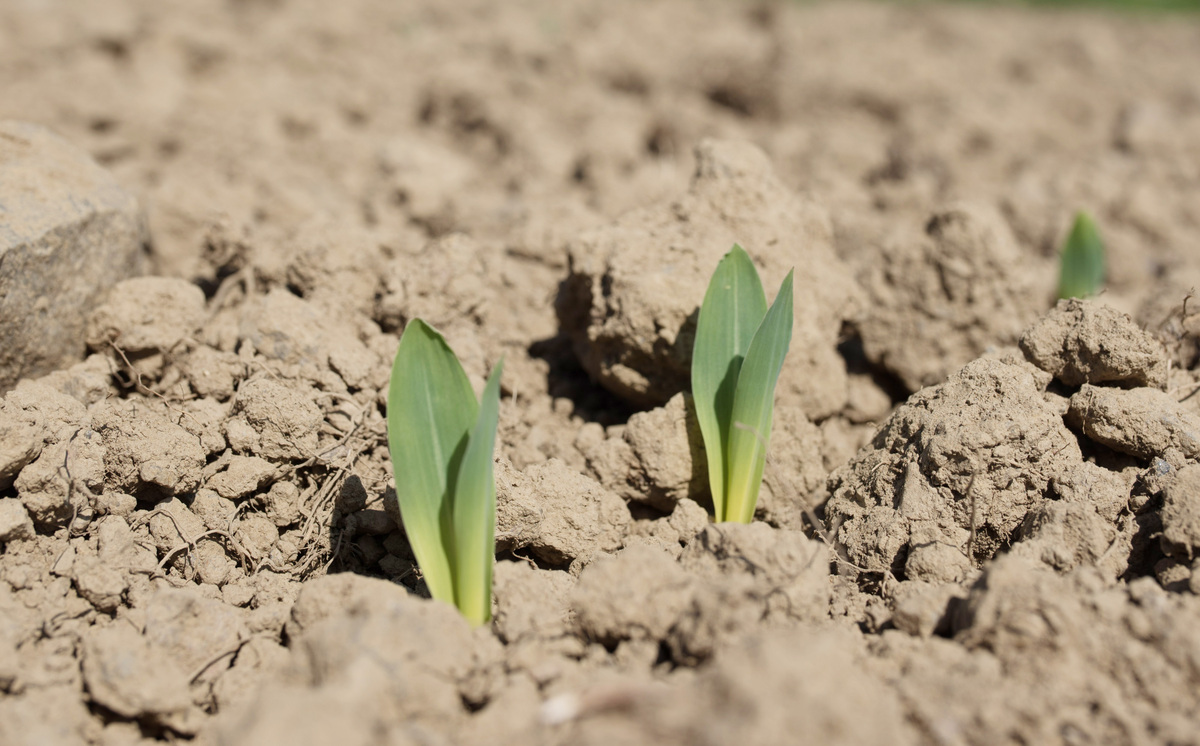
431,411
475,510
754,404
1082,260
734,306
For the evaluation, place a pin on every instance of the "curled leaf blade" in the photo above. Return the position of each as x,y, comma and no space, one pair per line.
754,404
475,510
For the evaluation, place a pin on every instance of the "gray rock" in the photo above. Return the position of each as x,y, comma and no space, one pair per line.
68,232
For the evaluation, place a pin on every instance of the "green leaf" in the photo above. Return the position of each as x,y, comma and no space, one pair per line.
1082,260
431,411
753,405
475,510
733,308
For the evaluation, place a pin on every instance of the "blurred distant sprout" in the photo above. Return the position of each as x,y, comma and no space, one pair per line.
441,441
736,359
1082,260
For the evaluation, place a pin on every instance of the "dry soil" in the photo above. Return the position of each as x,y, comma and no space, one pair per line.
981,516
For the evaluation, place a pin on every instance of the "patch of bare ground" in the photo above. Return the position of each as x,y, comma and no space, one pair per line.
979,522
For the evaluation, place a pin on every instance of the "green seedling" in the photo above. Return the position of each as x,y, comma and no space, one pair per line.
736,359
1082,260
441,442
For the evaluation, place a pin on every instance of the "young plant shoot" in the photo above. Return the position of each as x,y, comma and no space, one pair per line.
1082,260
441,442
738,353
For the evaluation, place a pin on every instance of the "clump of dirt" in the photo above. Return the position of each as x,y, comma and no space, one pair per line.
952,474
628,303
1064,653
979,518
560,516
940,300
995,459
1080,342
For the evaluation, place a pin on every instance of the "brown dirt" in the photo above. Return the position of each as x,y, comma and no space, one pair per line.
200,539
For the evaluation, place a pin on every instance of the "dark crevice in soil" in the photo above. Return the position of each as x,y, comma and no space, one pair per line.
665,662
732,99
873,583
643,512
514,555
568,379
149,731
851,349
1099,454
1145,550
